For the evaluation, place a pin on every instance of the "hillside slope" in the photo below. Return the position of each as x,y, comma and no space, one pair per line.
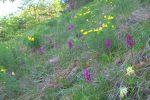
100,51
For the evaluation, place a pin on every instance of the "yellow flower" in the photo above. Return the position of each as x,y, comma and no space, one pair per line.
96,30
3,70
123,91
100,29
87,20
110,17
90,31
130,70
84,13
104,25
29,38
85,33
32,39
105,17
113,26
81,30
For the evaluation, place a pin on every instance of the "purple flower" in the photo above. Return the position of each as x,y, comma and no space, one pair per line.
71,27
70,44
42,50
108,43
129,41
87,75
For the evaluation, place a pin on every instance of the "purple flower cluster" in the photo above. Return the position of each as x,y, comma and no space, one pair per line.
108,43
87,75
129,41
71,27
41,50
70,44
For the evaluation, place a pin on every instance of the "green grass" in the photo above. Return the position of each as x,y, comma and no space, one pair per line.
31,68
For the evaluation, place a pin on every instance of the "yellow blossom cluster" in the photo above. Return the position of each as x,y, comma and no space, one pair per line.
91,30
109,17
30,38
106,24
82,13
99,29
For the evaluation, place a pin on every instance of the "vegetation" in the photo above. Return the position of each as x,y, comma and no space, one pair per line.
96,51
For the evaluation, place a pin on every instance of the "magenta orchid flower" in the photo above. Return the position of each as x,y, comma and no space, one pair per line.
129,41
70,44
108,43
87,75
71,27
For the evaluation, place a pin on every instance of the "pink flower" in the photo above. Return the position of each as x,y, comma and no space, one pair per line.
42,50
87,75
108,43
129,41
71,27
70,44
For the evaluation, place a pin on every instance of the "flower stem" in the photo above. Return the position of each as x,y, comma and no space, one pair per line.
132,56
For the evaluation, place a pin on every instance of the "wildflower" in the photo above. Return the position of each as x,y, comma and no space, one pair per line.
104,25
96,30
123,92
100,29
85,33
13,73
88,12
70,44
42,50
129,41
71,27
108,43
31,38
110,17
3,70
130,70
90,31
113,26
87,75
81,30
105,17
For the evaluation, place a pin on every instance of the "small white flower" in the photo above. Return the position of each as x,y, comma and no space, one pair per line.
130,70
13,73
123,91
